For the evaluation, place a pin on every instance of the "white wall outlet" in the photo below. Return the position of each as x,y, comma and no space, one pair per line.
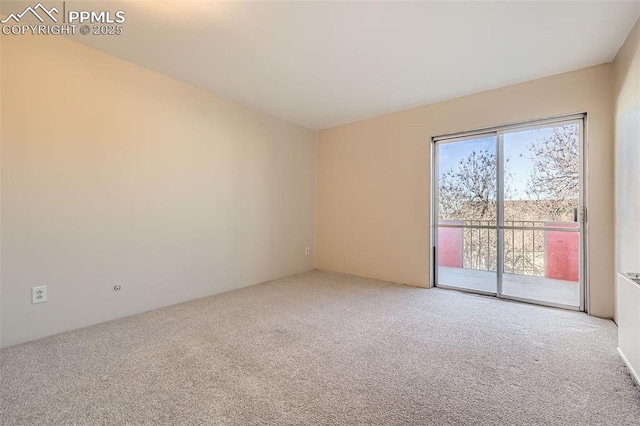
307,251
39,294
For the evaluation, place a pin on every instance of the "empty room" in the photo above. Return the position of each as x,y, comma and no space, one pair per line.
319,212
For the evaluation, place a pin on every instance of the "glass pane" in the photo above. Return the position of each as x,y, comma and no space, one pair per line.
467,172
542,175
542,190
467,258
542,265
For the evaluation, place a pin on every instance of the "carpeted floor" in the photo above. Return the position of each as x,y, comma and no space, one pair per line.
330,349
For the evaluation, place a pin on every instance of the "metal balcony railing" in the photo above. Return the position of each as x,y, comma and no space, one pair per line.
534,248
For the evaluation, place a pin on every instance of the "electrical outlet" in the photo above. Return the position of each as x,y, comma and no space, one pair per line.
307,251
39,294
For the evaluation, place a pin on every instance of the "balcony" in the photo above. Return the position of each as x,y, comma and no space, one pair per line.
541,259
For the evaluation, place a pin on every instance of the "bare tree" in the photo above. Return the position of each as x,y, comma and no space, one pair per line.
468,191
555,175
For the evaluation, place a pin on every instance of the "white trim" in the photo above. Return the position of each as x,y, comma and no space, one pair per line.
500,212
467,136
635,376
508,128
582,214
435,197
468,290
540,302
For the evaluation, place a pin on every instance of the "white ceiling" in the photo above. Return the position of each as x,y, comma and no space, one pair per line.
322,64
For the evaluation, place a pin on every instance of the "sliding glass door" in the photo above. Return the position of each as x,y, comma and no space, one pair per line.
509,216
467,220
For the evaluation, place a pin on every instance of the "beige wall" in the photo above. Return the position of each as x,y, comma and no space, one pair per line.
627,135
626,68
374,178
113,174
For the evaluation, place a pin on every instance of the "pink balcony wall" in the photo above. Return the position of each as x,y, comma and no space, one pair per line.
562,250
450,245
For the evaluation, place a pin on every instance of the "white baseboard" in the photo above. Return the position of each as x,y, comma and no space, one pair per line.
634,374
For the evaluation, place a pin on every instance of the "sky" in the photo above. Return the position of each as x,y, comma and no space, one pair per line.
518,161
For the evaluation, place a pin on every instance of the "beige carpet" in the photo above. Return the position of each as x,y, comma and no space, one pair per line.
325,348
